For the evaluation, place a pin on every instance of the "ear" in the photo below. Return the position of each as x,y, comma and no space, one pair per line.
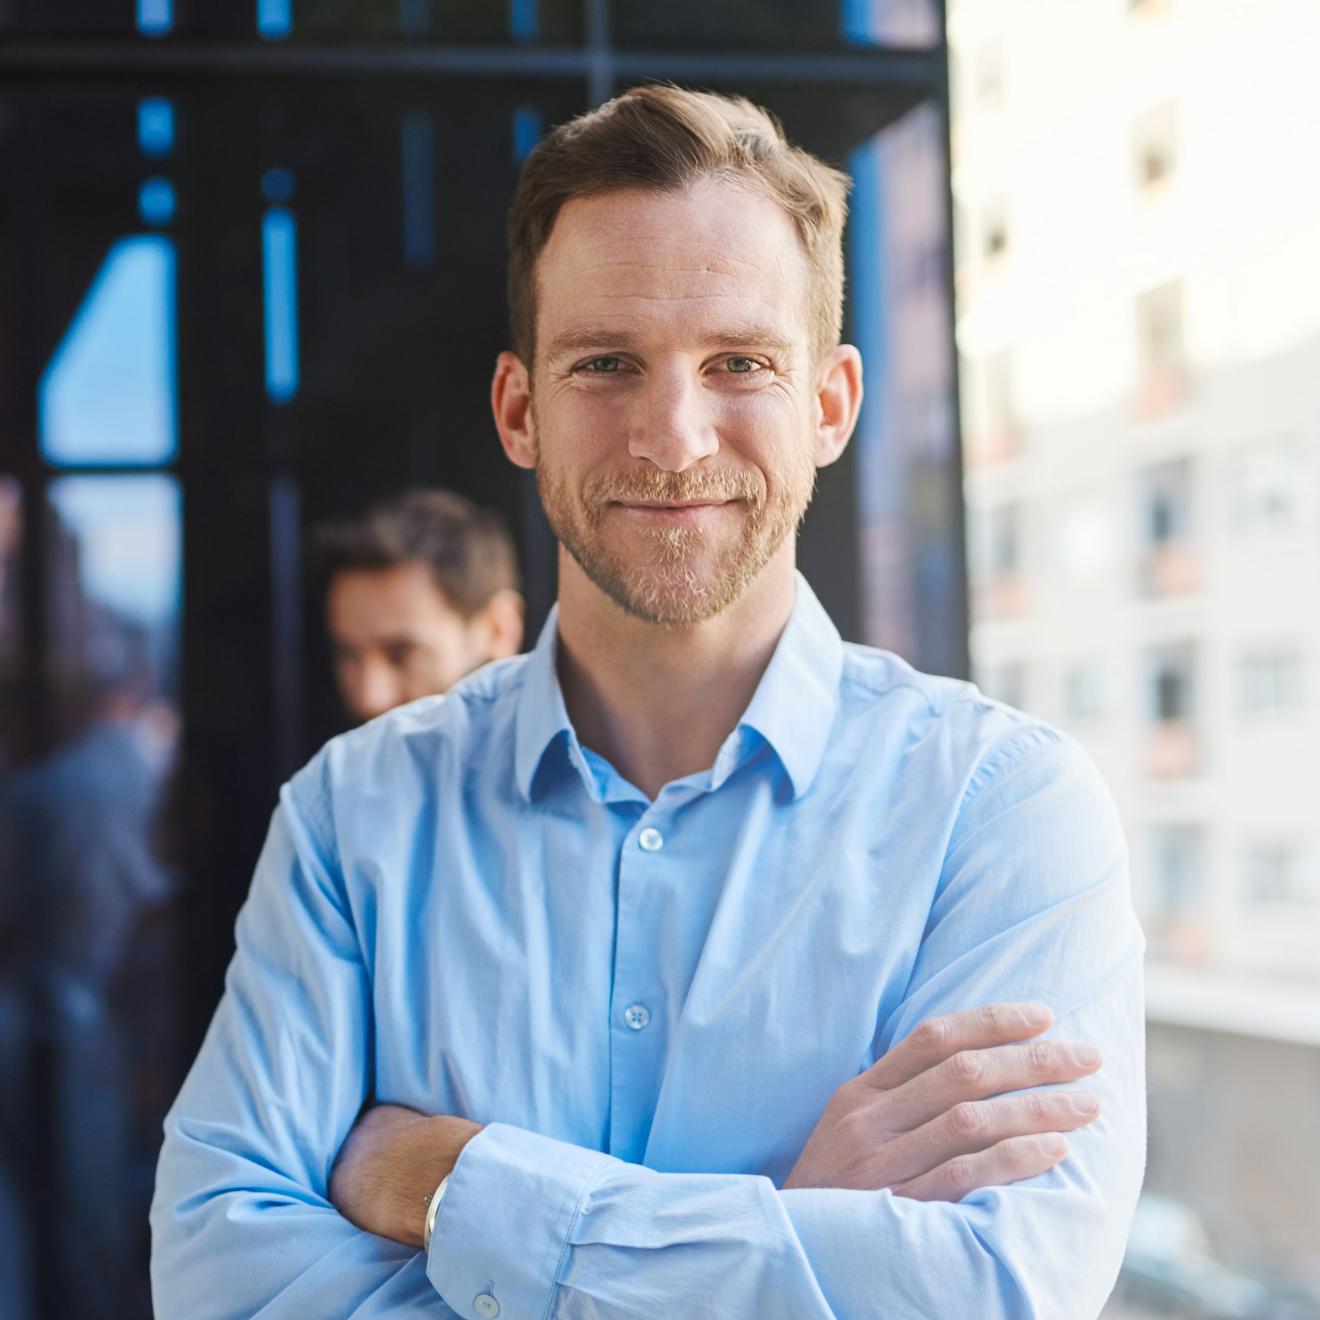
503,617
838,402
511,402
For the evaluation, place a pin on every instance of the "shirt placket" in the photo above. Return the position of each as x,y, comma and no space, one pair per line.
638,1029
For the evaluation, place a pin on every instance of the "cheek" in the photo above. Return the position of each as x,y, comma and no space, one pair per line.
583,428
767,429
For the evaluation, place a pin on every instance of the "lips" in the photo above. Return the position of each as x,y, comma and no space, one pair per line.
674,505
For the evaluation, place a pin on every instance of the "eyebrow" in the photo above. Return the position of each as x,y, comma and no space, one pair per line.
596,337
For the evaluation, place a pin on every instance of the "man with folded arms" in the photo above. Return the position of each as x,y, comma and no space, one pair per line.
698,963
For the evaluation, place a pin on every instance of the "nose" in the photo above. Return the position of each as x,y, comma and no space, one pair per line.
374,691
673,427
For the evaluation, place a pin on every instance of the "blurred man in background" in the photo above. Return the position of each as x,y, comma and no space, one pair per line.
418,593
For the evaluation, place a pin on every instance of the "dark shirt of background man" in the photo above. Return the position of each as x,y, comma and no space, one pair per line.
419,592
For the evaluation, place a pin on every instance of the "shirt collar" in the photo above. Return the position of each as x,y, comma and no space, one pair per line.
792,708
794,703
542,717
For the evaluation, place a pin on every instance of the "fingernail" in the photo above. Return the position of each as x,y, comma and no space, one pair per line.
1086,1055
1036,1014
1083,1102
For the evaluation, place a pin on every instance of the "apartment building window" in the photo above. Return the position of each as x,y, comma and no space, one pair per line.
1001,432
1271,683
1173,692
1275,874
1266,483
1166,495
1171,750
1085,692
1177,857
997,559
1174,891
994,231
1154,143
1161,354
1168,563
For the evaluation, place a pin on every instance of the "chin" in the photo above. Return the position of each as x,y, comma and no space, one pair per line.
681,593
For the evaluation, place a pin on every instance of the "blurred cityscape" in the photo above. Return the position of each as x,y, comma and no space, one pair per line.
1138,288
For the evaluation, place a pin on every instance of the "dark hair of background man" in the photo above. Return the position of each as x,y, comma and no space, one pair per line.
467,549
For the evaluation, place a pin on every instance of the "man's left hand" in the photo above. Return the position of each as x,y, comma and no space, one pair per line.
390,1165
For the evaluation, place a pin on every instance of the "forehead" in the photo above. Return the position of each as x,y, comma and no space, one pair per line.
637,258
399,600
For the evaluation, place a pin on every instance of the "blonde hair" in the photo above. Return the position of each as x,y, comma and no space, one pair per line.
666,138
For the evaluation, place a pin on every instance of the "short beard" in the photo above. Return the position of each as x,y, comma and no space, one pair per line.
670,590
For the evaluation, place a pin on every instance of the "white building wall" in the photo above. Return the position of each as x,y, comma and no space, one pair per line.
1047,102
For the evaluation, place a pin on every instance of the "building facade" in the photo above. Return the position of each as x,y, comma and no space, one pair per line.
1139,335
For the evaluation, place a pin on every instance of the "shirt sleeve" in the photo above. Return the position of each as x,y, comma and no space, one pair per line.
241,1225
1032,904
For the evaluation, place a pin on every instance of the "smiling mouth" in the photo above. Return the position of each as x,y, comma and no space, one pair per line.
671,506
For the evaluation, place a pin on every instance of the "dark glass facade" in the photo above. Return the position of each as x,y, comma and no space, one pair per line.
251,276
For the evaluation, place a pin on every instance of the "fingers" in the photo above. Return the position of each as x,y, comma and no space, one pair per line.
975,1074
938,1038
975,1126
1005,1162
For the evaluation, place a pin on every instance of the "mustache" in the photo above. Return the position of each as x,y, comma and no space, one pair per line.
673,487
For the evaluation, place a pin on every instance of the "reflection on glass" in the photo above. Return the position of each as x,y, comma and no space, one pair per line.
156,202
11,617
109,393
414,17
777,24
524,19
155,17
155,126
526,130
905,440
84,882
15,1285
418,141
274,19
279,259
124,535
891,22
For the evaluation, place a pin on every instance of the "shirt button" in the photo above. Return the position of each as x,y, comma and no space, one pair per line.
485,1305
651,840
636,1016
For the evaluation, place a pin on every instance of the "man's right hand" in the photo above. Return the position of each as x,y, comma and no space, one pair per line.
932,1121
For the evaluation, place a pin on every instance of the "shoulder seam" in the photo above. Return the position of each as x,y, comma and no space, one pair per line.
1008,747
974,697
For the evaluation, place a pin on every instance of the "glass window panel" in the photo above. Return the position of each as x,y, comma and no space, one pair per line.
259,21
11,610
121,537
85,871
784,24
109,392
906,445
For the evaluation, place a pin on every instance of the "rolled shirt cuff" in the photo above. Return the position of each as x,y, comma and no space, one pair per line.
502,1232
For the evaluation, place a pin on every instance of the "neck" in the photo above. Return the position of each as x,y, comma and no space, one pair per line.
658,702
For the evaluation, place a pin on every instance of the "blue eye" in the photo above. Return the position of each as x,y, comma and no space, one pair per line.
742,365
603,365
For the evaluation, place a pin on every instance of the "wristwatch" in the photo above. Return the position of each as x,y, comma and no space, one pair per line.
433,1204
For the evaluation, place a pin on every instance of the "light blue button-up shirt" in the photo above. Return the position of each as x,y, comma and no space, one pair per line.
462,909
